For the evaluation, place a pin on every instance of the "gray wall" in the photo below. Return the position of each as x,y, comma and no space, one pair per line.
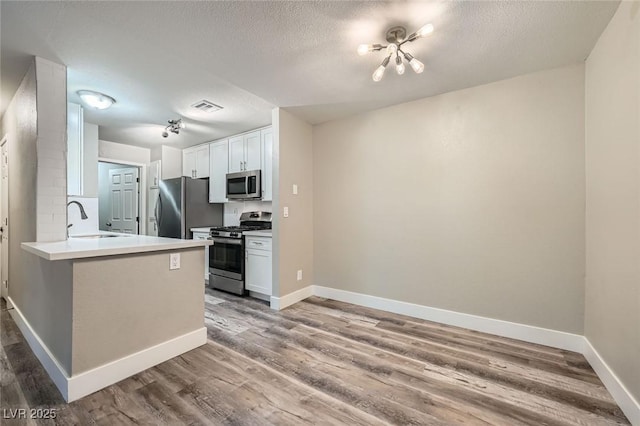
292,236
471,201
112,316
35,124
612,320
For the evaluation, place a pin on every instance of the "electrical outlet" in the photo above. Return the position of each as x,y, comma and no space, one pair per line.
285,212
299,274
295,189
174,261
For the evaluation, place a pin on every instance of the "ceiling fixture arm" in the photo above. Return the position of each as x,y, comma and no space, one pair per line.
422,32
173,127
363,49
379,72
396,37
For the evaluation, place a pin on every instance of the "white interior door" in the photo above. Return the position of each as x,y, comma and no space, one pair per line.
123,200
4,222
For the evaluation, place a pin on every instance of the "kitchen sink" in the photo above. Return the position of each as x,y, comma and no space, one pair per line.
95,236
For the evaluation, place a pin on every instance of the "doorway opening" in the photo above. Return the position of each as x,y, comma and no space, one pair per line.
118,197
4,219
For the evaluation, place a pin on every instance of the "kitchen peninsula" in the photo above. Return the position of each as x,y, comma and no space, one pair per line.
102,308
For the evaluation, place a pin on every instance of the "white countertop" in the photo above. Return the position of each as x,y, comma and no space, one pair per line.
260,233
78,248
207,229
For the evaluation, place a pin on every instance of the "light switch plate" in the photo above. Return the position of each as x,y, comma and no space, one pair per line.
174,261
295,189
285,212
299,274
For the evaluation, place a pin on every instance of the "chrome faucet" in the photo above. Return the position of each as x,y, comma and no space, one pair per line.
83,214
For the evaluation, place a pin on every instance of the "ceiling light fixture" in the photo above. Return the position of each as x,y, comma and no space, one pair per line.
96,100
397,37
173,127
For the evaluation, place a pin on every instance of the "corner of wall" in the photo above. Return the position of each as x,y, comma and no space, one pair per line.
51,187
293,235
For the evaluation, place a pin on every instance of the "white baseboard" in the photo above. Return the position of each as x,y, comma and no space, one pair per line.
98,378
51,365
79,385
279,303
527,333
630,407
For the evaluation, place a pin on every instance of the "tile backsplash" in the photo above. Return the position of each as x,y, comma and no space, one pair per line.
88,226
233,210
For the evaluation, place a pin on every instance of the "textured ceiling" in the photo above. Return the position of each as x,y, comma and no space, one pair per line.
157,58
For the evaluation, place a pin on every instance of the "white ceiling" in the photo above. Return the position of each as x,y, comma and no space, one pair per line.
158,58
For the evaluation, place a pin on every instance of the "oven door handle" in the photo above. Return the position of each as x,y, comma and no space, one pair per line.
233,241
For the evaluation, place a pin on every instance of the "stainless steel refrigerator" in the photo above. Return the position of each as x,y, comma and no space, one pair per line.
183,203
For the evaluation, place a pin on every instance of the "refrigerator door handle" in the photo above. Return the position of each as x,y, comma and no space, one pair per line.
155,210
159,210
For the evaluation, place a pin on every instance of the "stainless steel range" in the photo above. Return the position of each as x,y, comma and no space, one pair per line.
226,255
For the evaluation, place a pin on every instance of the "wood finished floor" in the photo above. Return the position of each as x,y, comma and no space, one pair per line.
326,362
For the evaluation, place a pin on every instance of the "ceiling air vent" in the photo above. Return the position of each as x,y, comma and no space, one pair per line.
206,106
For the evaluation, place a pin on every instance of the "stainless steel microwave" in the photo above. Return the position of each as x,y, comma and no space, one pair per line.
244,185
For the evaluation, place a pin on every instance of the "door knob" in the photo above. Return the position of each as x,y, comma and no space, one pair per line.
108,223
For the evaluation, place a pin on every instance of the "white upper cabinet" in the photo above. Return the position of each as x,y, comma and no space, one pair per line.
202,161
154,174
266,142
236,154
195,162
218,169
188,163
245,152
252,151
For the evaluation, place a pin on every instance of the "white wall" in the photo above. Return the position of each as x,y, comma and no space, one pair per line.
292,236
83,226
471,201
90,160
171,161
612,319
51,83
122,152
233,210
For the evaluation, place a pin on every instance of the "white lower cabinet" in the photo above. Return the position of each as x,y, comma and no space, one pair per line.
204,236
258,265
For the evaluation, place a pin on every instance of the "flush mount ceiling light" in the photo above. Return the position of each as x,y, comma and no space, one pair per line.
396,37
173,127
96,100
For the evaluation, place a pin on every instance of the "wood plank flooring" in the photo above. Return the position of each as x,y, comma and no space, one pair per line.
328,363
